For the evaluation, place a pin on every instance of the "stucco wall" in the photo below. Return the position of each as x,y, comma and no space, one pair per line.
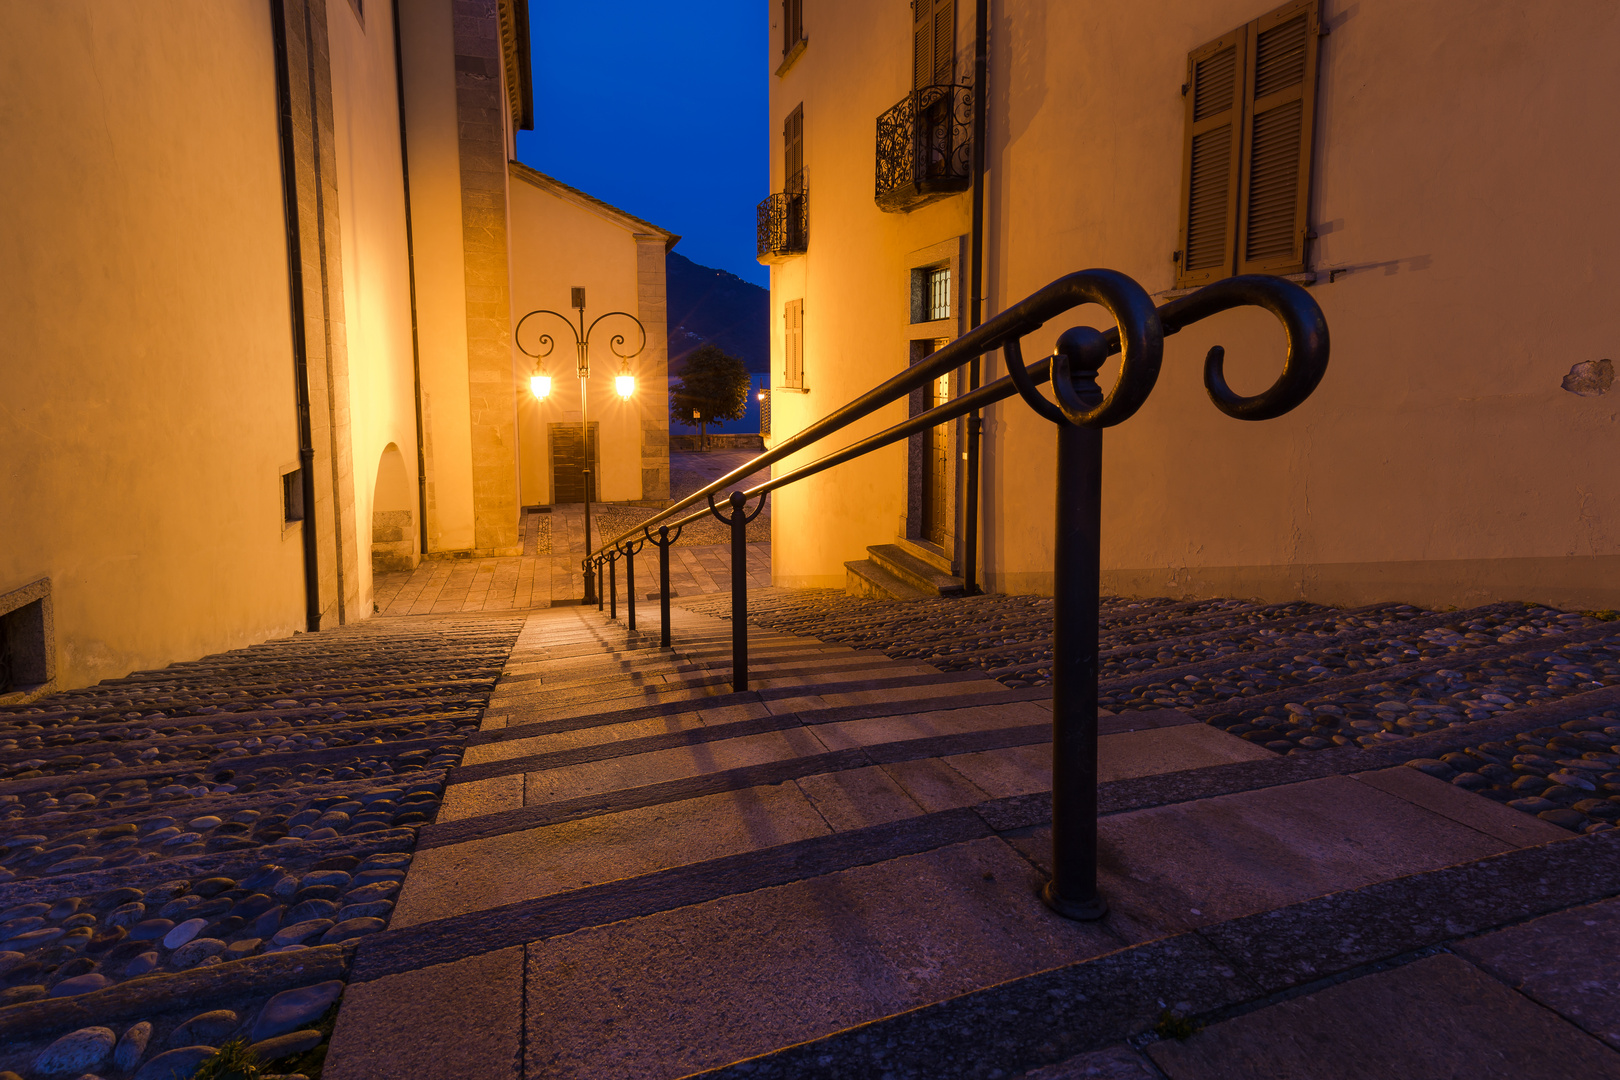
557,244
376,281
1463,196
148,403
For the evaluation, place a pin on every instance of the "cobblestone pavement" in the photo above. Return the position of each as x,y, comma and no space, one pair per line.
189,855
1294,677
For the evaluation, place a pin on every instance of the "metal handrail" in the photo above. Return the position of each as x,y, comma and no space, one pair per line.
1081,411
1303,329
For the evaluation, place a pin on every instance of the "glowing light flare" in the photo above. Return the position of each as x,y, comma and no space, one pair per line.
540,386
625,385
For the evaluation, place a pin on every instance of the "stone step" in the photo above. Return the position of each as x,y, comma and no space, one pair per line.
866,578
909,565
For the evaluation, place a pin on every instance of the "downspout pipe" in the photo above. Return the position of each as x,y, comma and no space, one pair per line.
410,264
975,423
295,297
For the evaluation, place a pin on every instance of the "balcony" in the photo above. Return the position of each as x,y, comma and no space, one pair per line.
925,148
783,223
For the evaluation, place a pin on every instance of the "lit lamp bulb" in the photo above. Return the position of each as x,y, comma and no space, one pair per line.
540,386
624,382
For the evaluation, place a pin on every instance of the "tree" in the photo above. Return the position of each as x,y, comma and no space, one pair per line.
712,386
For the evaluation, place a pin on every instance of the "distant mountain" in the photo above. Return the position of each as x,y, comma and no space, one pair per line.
706,304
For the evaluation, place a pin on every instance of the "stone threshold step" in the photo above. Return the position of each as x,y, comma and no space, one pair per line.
720,732
717,700
749,776
1207,973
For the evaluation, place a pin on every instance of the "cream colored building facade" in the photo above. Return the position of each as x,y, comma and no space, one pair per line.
1456,223
259,261
622,258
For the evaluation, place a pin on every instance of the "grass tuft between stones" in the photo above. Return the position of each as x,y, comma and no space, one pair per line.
1172,1025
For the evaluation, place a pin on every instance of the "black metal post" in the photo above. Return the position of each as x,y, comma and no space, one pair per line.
591,590
663,583
630,587
613,586
600,598
739,592
1077,580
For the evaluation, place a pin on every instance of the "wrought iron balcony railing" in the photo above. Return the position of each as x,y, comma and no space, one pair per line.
783,223
925,147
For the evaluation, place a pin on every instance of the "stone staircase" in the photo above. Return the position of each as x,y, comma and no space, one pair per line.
903,570
637,872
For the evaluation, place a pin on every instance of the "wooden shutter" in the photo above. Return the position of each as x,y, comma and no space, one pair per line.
793,344
793,150
792,24
1209,171
933,42
1280,101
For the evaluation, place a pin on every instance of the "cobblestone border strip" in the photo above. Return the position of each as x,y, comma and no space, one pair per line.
158,993
240,862
1228,661
1049,1017
1397,672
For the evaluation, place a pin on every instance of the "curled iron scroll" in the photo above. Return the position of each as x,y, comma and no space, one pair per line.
632,547
1074,376
738,500
1303,323
664,540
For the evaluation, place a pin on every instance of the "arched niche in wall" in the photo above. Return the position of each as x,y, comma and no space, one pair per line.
393,517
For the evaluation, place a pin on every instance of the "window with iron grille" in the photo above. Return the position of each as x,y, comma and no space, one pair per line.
937,283
1246,151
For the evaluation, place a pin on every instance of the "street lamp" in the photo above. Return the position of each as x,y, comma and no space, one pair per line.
624,383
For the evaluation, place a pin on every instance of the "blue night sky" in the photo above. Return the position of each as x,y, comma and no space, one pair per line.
660,109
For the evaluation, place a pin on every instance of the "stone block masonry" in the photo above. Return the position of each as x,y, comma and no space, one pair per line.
492,401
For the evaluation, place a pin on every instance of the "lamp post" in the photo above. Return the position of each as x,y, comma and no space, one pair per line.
624,383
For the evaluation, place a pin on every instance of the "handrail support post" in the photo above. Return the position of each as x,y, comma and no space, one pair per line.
630,587
739,593
1072,892
663,584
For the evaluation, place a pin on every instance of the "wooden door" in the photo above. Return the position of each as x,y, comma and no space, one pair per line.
568,464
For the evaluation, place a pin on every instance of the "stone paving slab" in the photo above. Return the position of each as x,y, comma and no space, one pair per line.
1173,868
1568,961
716,982
1434,1019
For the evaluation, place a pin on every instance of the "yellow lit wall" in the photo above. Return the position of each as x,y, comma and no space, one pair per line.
1461,190
376,283
147,409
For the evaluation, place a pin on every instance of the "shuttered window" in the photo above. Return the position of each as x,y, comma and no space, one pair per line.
793,151
1250,108
792,24
933,42
793,344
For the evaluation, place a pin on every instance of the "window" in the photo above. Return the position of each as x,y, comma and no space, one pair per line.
27,652
292,496
793,151
1245,182
933,42
792,24
793,345
938,292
